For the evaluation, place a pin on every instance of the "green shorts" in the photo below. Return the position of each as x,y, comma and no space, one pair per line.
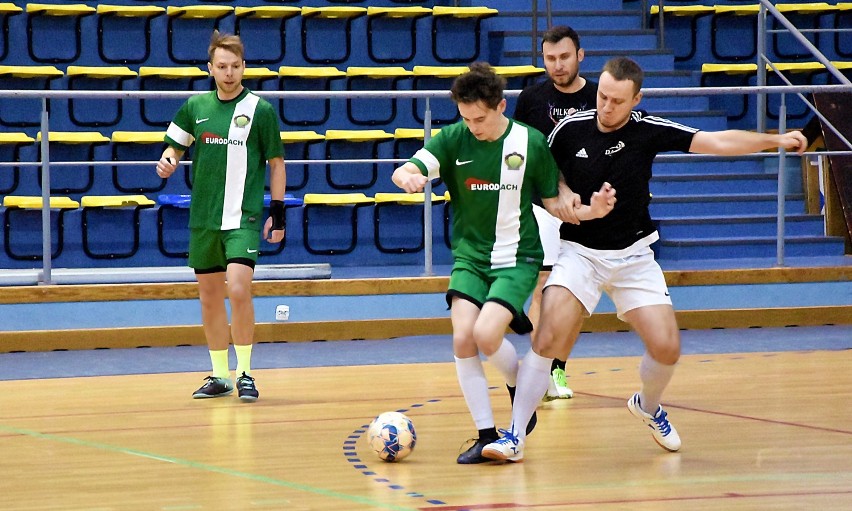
213,250
510,287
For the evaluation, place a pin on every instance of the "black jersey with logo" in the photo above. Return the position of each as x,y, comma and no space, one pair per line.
542,105
588,157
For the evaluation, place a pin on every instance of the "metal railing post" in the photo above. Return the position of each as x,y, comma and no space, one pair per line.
46,242
427,200
782,184
761,69
534,33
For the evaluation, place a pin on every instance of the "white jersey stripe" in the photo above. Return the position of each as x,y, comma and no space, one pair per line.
507,235
235,180
433,167
180,136
665,122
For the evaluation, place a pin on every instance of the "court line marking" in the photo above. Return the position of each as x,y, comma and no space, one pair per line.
204,466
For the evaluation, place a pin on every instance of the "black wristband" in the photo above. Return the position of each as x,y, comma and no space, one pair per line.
276,211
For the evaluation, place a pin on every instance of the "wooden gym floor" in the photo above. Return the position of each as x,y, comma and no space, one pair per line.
762,430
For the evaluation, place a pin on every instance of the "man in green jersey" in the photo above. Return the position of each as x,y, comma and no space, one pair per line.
492,166
235,134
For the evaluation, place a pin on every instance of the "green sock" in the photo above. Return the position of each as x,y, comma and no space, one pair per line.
243,358
219,358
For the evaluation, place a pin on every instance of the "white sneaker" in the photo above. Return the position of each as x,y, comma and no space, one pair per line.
558,387
664,433
506,448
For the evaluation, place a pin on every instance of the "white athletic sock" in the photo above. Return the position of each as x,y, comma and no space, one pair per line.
533,378
655,377
505,359
474,386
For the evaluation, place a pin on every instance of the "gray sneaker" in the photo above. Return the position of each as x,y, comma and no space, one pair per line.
215,387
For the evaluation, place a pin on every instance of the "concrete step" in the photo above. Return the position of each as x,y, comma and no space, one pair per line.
738,225
711,183
754,246
729,204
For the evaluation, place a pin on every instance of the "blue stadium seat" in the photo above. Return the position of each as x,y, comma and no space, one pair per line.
456,33
22,216
50,27
105,221
306,112
70,146
139,146
6,10
10,151
297,145
24,113
333,219
159,112
189,30
96,113
388,31
353,144
120,30
258,26
373,111
327,33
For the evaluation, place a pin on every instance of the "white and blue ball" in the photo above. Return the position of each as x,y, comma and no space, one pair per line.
391,435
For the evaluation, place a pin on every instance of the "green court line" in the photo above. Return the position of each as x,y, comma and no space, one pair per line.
206,467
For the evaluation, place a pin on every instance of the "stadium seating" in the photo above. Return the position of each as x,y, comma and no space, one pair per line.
340,45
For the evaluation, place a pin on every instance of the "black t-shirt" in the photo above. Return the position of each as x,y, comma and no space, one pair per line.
588,157
542,106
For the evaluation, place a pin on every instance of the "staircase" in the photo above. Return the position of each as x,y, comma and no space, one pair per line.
705,210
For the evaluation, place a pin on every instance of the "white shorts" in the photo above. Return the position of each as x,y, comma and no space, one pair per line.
548,231
631,277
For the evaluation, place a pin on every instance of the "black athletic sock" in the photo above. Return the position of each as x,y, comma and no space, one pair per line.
488,433
557,364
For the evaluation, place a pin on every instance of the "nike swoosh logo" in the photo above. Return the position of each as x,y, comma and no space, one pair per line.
199,121
250,251
460,163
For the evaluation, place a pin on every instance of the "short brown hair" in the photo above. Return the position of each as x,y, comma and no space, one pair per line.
623,68
560,32
228,42
480,83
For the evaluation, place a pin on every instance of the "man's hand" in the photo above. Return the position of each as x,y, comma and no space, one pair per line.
410,182
602,201
793,141
272,236
166,167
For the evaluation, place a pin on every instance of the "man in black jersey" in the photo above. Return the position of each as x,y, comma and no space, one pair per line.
617,144
542,106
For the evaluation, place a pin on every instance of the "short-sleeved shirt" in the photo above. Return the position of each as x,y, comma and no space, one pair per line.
233,141
588,157
542,105
491,185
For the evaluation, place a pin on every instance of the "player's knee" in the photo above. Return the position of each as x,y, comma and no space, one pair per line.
239,292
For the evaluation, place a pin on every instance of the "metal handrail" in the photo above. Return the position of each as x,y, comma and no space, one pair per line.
45,277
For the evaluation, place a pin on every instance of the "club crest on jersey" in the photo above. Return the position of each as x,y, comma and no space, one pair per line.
477,185
241,121
614,149
514,161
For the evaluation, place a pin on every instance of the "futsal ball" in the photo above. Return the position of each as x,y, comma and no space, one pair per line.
391,435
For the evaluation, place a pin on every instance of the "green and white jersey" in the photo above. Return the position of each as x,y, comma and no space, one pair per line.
233,141
491,185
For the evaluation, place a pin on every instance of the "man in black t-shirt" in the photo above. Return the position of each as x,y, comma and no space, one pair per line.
617,144
542,106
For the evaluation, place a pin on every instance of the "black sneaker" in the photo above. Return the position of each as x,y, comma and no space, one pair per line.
533,420
246,389
474,455
215,387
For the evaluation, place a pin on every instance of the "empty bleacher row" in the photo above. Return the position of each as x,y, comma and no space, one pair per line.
698,216
137,230
140,114
154,35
